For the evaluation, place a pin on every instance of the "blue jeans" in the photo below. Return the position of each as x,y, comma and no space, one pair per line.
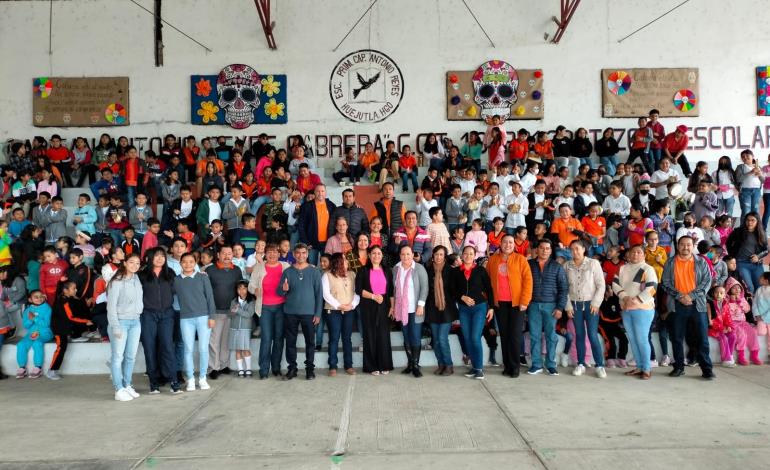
440,334
472,321
271,340
124,352
750,272
340,324
411,332
189,327
259,202
541,321
131,195
637,324
656,155
749,198
315,253
585,322
726,205
405,176
319,329
293,235
610,163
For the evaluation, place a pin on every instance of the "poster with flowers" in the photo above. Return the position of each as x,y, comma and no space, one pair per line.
247,97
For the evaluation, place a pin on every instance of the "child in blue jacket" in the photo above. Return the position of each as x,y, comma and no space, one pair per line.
37,322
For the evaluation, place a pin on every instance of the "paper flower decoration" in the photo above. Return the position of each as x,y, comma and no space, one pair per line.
538,73
472,111
208,112
453,78
274,109
520,111
203,87
455,100
270,87
536,95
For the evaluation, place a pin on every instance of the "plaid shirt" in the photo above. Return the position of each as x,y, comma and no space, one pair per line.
19,164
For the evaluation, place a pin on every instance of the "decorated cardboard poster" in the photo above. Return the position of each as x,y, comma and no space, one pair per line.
244,99
763,90
634,92
495,87
80,102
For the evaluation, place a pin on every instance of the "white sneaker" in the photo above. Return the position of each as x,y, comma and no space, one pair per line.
82,339
53,375
190,385
653,363
579,370
728,364
564,360
203,384
601,373
666,361
631,363
123,395
132,392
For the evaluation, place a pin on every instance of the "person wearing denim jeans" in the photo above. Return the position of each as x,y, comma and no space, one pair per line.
190,327
473,294
268,306
440,309
586,293
686,279
338,286
124,308
549,299
410,295
748,177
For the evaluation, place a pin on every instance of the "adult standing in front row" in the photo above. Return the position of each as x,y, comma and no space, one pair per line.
474,297
124,308
635,285
301,286
511,279
408,305
338,285
586,293
223,276
686,279
265,279
549,299
441,309
748,244
374,285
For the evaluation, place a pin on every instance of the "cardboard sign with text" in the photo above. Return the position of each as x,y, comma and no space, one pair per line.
80,102
634,92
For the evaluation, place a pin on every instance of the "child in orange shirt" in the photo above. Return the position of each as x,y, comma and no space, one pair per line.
543,147
595,226
408,166
564,227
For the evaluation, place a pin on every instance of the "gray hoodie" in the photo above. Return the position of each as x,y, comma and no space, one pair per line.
124,301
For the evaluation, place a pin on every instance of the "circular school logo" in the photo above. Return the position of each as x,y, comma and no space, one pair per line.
366,86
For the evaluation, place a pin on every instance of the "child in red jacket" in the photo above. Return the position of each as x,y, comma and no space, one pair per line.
721,325
745,336
51,272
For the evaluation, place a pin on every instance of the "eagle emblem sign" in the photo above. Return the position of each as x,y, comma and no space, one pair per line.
366,86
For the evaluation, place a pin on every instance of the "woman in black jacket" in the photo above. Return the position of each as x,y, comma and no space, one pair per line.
607,149
374,285
440,308
748,244
473,293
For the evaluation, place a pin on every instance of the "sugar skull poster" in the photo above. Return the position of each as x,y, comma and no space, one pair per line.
238,97
494,88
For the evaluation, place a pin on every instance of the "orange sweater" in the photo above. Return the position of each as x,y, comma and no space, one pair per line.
519,277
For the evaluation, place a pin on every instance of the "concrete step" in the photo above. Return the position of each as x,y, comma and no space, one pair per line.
92,357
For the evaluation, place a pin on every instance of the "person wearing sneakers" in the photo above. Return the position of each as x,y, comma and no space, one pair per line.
36,319
686,279
124,308
549,299
65,313
197,315
338,285
586,293
635,285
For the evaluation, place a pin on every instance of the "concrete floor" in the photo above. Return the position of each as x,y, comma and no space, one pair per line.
396,421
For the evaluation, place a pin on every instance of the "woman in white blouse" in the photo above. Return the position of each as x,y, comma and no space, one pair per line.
340,299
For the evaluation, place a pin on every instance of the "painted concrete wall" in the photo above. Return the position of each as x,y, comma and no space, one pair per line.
426,38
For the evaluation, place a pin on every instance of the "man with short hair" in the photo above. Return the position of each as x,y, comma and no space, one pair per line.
390,210
315,223
412,235
549,299
686,279
300,284
356,217
223,276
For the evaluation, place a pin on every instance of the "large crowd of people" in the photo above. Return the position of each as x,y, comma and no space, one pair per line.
536,242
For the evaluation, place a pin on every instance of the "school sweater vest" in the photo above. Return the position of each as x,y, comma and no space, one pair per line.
339,290
395,216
